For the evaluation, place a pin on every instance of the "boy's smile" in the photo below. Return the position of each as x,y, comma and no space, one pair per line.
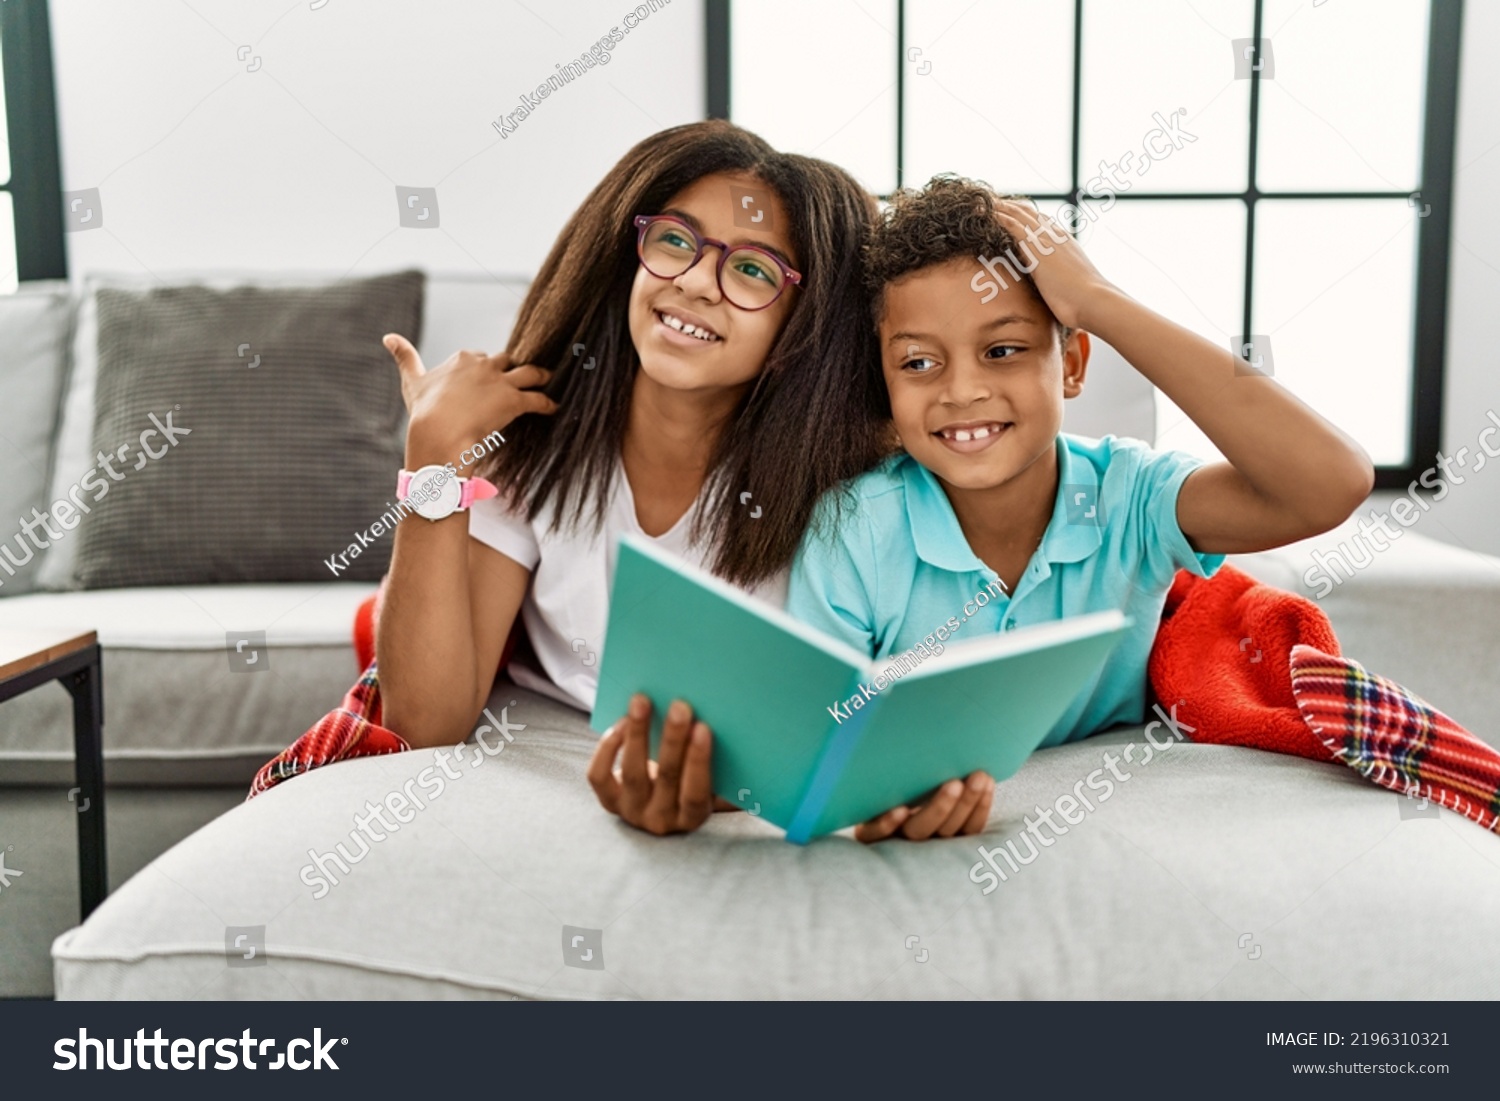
976,389
968,438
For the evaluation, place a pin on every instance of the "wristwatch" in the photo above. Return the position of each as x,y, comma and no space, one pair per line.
438,491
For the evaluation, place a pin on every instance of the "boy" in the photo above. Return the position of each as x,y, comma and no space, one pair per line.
988,494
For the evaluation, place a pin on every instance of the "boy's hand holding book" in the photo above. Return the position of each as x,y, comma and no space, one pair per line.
957,808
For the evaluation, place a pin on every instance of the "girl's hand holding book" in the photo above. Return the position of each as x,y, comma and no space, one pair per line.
671,795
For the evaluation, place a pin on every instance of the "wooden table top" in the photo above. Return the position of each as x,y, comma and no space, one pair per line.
27,648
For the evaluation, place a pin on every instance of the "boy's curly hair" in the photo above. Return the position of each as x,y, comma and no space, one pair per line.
951,216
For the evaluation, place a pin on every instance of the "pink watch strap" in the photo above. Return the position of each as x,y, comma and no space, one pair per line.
470,489
475,489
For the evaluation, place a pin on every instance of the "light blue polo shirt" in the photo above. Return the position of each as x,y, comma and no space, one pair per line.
898,566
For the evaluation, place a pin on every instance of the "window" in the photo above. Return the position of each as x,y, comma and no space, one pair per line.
31,224
8,274
1282,167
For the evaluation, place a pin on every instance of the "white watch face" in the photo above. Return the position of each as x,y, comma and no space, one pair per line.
434,491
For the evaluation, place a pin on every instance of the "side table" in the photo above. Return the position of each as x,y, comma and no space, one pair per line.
29,658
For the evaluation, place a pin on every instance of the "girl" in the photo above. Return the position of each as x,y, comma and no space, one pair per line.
696,365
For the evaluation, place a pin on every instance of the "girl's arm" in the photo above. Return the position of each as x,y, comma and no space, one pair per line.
449,605
1290,474
450,601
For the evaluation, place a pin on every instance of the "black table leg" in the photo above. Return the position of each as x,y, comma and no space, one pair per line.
86,686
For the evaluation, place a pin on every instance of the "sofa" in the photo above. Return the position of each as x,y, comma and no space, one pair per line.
1215,873
185,730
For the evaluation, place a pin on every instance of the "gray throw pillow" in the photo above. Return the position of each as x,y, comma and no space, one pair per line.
245,435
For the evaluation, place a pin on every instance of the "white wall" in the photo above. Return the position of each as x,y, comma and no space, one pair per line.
202,164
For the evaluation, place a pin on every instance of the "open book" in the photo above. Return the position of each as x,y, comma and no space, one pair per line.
805,735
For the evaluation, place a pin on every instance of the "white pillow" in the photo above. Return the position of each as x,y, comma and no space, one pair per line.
34,333
468,312
1116,400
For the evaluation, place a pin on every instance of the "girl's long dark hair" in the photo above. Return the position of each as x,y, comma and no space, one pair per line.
813,418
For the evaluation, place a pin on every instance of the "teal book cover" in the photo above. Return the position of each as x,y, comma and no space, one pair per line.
776,693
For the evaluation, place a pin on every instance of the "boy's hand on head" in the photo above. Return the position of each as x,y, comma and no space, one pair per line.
1065,277
670,795
956,808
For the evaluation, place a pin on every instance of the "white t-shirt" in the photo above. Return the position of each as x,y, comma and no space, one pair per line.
567,606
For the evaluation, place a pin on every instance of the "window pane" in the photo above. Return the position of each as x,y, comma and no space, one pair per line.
8,278
959,119
1344,112
1144,58
1186,260
819,79
4,133
1334,290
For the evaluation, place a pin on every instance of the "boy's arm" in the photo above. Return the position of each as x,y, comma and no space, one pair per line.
1290,474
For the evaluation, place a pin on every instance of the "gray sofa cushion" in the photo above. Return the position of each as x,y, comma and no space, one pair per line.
177,710
287,413
34,325
1209,873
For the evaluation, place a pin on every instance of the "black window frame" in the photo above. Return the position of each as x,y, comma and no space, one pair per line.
35,182
1439,127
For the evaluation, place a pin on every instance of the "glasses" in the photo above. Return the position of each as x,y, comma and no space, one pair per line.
749,277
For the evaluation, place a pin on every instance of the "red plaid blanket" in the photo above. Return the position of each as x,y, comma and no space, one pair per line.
1395,739
353,730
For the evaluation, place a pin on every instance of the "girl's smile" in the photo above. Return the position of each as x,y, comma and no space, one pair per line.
686,328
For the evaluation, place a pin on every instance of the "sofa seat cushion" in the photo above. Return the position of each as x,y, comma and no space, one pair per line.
179,705
1209,872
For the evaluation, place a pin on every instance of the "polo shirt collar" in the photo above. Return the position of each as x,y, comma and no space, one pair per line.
1069,536
940,542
